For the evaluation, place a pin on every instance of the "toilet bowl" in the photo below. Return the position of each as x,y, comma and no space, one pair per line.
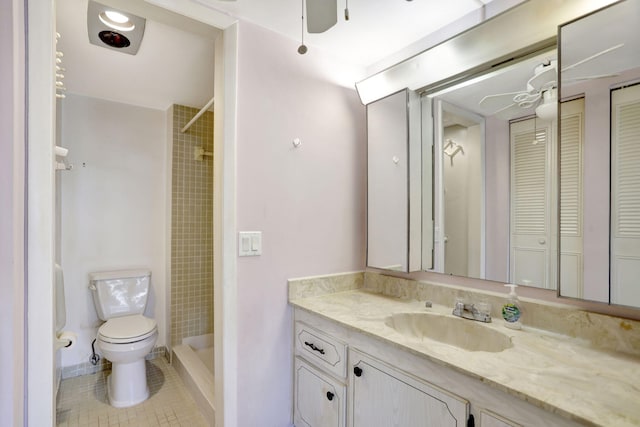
125,341
127,336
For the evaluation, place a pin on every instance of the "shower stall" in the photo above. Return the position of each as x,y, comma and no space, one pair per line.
191,325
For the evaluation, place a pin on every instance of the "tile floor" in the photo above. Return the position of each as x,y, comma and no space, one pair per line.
82,401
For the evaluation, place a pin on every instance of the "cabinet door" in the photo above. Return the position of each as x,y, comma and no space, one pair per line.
319,400
385,397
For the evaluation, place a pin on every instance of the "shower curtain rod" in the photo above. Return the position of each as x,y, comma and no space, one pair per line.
197,116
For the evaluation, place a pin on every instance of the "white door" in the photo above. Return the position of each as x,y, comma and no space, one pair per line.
571,166
319,400
625,196
531,209
385,397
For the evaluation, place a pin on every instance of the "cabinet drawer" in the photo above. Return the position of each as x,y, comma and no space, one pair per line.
322,349
319,400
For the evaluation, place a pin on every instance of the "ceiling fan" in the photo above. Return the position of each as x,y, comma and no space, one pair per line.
321,14
544,80
541,89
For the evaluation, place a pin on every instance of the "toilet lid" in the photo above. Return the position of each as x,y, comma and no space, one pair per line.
126,329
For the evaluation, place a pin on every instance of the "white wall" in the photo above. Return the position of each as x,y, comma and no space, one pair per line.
497,214
113,206
308,202
12,185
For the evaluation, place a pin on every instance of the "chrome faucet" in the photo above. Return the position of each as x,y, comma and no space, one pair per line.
471,312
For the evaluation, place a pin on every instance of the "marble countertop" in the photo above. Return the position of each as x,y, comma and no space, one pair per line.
561,374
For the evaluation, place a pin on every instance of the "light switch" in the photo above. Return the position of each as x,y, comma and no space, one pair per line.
250,243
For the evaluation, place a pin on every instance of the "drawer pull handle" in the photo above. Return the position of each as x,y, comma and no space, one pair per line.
330,395
313,347
357,371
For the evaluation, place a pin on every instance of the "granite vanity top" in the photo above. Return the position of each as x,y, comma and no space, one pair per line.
564,375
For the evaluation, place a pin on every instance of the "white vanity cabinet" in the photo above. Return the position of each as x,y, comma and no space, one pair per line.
381,395
386,385
319,378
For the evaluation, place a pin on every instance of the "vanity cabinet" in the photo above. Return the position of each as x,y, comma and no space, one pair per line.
375,383
319,378
319,399
384,396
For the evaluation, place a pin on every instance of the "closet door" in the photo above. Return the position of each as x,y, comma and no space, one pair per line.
625,196
571,161
530,255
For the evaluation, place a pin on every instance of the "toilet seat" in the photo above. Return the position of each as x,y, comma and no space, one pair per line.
127,329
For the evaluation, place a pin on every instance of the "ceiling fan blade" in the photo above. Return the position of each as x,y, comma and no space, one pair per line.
594,56
498,100
321,15
598,76
510,112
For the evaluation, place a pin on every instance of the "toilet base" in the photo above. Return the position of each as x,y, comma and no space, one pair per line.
127,384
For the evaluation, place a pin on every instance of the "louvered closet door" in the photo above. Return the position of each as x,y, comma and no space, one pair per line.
530,202
571,161
625,196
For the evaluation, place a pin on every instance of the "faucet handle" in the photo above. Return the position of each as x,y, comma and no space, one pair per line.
458,308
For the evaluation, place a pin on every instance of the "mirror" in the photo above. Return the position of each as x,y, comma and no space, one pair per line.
494,174
393,182
600,155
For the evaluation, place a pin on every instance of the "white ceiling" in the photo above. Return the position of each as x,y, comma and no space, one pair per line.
511,78
376,29
175,61
172,66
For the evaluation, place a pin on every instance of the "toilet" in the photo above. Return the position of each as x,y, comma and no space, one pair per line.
127,336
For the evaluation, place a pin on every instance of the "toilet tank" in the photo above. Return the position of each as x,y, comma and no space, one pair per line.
120,293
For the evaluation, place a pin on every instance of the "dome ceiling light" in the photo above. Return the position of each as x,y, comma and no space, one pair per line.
114,29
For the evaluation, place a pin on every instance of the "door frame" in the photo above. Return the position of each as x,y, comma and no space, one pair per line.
40,365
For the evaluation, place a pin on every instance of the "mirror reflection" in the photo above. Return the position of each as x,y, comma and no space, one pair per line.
494,174
393,182
600,151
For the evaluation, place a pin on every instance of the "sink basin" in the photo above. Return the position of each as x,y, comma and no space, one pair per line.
465,334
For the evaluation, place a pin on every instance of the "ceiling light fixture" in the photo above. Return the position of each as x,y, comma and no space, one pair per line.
114,28
116,20
548,109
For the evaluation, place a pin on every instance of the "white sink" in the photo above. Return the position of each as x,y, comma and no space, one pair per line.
462,333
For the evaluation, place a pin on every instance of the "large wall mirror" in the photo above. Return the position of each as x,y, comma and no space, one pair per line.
495,181
500,151
600,155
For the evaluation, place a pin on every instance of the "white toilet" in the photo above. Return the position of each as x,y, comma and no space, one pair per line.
127,336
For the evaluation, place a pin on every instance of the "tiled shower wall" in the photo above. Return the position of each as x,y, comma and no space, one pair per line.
191,227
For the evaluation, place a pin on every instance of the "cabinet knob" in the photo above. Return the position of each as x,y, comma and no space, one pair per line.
357,371
330,395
